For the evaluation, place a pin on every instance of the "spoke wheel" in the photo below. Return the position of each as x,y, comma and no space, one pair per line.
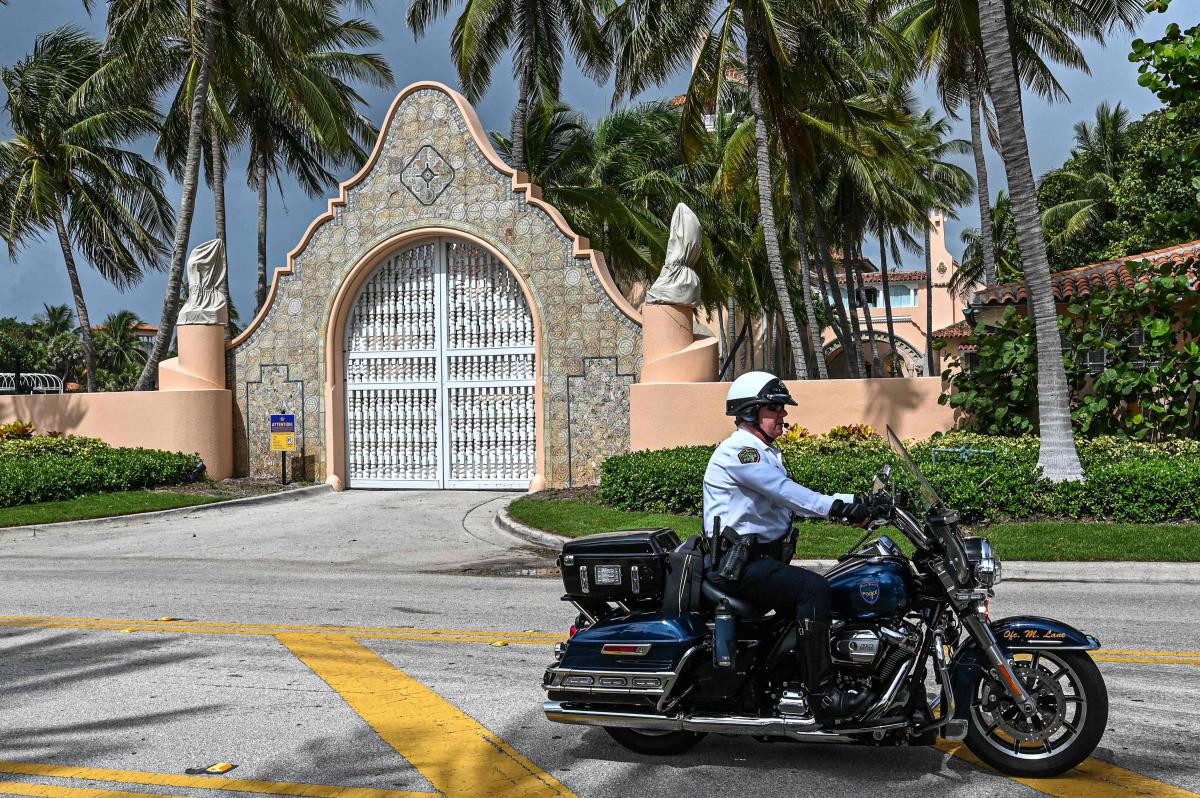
1070,713
655,742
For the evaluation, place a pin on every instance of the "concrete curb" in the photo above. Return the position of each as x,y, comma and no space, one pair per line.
506,523
1140,573
36,530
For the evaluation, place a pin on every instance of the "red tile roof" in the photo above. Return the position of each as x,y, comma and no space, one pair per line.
1094,277
959,329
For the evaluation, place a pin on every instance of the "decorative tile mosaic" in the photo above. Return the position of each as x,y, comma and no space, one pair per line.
430,172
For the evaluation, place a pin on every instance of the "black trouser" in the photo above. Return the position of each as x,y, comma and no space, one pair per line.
787,589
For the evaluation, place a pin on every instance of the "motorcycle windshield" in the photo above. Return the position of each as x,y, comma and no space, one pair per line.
901,451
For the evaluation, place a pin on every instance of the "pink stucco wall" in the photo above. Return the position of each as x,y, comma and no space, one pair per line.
178,421
681,414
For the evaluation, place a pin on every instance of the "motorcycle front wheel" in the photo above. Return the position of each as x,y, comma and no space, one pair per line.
1071,704
655,743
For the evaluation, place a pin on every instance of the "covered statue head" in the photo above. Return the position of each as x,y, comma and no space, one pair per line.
205,275
677,283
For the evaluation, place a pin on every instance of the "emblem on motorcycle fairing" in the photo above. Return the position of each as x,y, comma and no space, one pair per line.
869,590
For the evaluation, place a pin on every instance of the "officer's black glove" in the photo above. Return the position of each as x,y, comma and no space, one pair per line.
853,513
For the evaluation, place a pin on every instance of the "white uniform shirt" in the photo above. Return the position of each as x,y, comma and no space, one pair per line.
747,486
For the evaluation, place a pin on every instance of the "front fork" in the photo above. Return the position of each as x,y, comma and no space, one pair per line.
1002,669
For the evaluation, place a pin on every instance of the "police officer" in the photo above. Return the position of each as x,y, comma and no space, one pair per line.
748,489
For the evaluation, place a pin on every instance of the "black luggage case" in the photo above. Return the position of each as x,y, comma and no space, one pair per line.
617,566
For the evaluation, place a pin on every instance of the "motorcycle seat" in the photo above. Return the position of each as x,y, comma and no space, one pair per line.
740,607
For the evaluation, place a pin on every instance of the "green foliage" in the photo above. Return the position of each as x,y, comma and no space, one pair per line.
15,431
1131,355
1126,480
1170,66
30,446
53,469
661,481
996,393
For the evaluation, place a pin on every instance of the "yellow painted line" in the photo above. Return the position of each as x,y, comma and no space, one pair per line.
458,755
1129,652
431,635
1149,660
54,791
273,628
1092,779
201,782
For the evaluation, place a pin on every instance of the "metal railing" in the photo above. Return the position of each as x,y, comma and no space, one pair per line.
29,382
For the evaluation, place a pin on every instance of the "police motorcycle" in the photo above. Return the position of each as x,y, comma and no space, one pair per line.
659,673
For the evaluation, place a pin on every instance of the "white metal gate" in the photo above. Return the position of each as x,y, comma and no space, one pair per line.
440,373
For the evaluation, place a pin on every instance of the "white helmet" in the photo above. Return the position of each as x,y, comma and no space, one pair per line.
751,391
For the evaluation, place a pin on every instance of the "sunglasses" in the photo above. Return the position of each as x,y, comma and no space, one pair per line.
775,407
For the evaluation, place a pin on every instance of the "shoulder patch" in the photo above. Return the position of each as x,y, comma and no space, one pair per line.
748,454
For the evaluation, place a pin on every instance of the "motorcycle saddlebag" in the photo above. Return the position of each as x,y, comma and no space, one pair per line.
631,659
617,566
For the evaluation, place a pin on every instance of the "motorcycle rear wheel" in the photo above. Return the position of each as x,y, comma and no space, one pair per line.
1072,709
655,743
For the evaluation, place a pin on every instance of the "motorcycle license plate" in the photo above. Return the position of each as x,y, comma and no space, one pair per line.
608,574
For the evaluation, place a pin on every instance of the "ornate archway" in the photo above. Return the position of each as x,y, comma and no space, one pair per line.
914,360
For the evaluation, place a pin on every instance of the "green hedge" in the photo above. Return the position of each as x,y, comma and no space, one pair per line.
52,469
1126,480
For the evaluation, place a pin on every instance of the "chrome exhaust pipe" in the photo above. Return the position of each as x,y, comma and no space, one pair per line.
792,728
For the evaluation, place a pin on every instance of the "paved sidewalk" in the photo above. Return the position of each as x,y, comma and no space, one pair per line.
1140,573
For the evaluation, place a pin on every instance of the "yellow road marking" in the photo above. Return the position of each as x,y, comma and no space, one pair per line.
1092,779
272,628
54,791
202,782
1130,652
430,635
1149,660
457,754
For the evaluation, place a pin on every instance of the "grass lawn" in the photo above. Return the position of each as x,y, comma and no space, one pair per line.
1046,541
100,505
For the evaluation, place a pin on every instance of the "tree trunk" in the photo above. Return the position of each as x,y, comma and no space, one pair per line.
218,178
981,186
810,304
187,205
928,303
733,342
894,356
260,177
1058,457
841,327
85,326
876,365
766,215
852,308
520,114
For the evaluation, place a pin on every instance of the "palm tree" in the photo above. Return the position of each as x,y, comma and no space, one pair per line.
538,32
1005,252
1092,180
65,168
947,34
160,42
54,320
118,350
1058,456
301,117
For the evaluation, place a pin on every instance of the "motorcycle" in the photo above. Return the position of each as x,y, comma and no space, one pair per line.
1021,691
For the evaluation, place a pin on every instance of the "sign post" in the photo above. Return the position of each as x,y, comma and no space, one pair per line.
283,440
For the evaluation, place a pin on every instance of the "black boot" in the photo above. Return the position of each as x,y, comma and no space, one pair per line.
829,702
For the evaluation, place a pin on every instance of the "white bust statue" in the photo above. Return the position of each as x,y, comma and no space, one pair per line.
205,274
677,284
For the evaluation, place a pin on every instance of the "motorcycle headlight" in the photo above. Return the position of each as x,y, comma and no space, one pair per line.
984,561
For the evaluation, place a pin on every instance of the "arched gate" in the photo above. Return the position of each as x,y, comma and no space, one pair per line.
440,370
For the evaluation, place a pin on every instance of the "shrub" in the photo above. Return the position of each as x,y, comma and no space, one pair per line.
1127,480
52,469
41,445
851,432
16,430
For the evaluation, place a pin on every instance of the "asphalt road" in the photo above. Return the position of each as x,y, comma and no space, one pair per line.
388,644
